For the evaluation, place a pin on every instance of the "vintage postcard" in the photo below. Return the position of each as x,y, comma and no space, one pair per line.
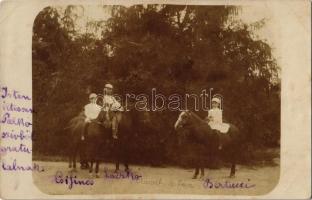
155,99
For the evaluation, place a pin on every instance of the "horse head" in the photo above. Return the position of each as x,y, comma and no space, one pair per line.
189,120
183,120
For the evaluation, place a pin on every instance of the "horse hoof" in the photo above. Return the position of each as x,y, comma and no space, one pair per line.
97,175
232,176
194,177
91,175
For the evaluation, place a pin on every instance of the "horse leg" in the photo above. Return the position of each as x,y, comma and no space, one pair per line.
116,155
117,166
81,156
202,172
97,165
196,173
126,167
74,159
70,160
91,168
74,162
232,174
71,156
233,162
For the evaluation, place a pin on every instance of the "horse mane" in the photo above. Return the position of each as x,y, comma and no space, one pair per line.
202,122
197,117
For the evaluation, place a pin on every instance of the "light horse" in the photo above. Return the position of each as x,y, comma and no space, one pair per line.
200,131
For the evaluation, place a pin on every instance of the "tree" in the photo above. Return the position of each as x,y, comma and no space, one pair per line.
174,48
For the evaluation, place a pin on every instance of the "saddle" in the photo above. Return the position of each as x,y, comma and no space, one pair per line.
221,127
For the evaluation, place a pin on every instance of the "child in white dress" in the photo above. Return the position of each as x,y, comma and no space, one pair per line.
215,118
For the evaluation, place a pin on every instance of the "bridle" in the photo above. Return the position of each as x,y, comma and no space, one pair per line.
182,120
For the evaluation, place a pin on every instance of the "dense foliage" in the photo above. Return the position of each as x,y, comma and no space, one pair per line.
176,49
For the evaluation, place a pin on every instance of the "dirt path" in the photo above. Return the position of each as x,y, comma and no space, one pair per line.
169,180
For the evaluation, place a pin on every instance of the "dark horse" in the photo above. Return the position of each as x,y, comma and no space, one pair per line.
98,135
75,129
86,138
132,121
200,131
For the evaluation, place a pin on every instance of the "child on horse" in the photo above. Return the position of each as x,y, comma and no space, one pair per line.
215,118
91,110
111,104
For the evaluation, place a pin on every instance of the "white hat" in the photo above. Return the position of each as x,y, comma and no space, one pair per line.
107,85
92,95
215,99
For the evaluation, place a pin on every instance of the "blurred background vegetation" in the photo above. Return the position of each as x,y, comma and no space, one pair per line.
176,49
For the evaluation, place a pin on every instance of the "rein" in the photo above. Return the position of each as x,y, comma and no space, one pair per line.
197,118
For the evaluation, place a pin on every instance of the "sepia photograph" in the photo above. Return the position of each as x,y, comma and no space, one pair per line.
157,99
